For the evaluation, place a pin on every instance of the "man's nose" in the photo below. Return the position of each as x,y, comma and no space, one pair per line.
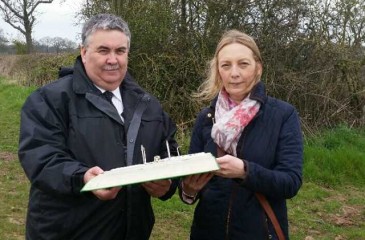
112,57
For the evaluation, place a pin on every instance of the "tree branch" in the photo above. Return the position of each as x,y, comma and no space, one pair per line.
36,4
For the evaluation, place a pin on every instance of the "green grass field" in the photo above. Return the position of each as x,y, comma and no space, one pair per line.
330,205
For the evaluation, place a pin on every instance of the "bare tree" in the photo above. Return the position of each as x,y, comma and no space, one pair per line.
3,41
2,37
46,43
21,15
62,44
55,45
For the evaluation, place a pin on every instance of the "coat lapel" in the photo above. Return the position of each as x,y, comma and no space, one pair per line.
130,102
100,103
131,94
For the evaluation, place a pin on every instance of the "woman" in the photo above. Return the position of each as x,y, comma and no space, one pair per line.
258,143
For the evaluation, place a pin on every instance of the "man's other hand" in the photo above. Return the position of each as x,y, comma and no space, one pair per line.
102,194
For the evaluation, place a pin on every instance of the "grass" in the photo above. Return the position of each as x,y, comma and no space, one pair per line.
336,157
11,99
330,205
14,196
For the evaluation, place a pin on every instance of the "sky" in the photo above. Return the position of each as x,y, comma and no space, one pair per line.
55,20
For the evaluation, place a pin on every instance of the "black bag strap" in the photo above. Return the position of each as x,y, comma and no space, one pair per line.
134,127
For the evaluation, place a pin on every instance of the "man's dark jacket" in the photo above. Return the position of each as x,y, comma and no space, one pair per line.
68,127
271,146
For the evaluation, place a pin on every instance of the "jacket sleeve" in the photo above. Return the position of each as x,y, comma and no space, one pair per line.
169,130
196,146
43,151
285,178
196,140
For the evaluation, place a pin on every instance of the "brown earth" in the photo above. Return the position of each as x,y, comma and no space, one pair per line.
7,156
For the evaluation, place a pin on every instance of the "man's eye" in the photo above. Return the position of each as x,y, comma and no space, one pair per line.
103,51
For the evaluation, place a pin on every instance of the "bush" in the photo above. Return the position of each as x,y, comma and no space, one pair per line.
34,69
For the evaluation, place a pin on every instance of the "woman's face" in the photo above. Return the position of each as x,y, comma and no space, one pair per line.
238,70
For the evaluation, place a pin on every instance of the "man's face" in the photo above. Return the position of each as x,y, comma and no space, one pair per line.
105,58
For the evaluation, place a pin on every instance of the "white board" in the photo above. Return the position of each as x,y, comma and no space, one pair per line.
162,169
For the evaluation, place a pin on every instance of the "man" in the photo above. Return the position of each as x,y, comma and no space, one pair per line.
70,133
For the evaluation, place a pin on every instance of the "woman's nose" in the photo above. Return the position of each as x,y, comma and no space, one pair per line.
234,71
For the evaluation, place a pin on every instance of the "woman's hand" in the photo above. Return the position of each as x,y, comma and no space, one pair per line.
192,184
157,188
230,167
102,194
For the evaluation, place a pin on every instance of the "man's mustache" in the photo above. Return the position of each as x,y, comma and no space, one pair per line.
111,67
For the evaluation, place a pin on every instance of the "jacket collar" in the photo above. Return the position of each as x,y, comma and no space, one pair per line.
131,93
82,83
258,93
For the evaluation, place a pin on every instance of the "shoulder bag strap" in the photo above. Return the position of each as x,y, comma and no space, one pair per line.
134,127
270,213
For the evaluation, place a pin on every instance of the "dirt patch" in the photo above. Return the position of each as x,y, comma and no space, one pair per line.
7,156
347,217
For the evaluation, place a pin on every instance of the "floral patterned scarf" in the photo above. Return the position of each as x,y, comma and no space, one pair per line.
231,119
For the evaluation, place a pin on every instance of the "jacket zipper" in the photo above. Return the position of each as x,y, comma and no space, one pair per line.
228,221
234,191
233,194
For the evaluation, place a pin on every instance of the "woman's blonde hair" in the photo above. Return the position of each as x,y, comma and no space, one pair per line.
213,83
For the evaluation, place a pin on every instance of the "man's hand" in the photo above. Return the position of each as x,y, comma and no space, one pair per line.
157,188
102,194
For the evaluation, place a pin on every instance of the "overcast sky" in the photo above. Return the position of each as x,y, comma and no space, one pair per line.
55,20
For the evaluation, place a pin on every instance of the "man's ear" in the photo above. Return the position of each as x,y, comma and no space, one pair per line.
83,53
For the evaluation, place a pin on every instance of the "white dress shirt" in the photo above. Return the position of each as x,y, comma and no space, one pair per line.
116,100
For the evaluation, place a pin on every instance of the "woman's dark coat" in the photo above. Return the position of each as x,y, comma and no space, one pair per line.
67,127
272,148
